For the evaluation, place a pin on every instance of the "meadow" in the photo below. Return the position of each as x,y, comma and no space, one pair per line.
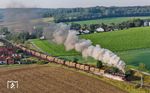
134,38
134,57
132,45
52,48
109,20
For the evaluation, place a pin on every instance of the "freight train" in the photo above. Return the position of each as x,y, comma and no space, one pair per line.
84,67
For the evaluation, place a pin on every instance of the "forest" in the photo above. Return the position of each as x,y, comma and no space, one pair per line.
78,14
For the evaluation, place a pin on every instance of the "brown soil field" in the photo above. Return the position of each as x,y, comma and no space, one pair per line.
49,79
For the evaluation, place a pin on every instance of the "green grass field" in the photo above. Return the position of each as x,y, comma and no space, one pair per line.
134,57
52,48
109,20
134,38
132,45
59,50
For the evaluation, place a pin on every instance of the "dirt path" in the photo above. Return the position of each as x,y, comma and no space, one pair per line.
46,79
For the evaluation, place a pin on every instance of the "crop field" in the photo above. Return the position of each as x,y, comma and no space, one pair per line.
109,20
51,79
45,20
132,45
134,38
59,50
134,57
52,48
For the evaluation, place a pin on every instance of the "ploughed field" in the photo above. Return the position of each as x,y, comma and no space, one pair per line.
51,79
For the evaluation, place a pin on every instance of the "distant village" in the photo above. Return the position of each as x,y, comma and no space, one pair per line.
8,54
97,28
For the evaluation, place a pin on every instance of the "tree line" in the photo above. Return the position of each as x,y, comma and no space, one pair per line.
108,27
78,14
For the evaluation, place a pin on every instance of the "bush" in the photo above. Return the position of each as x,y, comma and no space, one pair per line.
99,64
27,61
129,74
41,62
75,60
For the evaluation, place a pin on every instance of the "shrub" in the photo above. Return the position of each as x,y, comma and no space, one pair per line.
129,74
41,62
75,60
99,64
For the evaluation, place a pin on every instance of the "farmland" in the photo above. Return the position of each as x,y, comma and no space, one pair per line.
52,48
110,20
134,38
51,78
132,45
134,57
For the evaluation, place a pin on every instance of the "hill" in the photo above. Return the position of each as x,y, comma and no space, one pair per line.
134,38
132,45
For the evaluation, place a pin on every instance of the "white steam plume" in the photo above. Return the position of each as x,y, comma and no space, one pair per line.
62,35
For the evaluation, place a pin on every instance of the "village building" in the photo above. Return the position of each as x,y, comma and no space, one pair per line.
42,37
100,29
8,55
84,31
147,23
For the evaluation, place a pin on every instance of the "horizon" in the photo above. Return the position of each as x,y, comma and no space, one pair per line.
71,4
72,7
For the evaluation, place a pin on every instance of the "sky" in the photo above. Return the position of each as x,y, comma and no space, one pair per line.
72,3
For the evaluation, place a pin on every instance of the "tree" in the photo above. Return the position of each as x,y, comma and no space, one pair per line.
18,51
75,26
38,31
129,74
93,27
75,60
99,64
4,30
104,26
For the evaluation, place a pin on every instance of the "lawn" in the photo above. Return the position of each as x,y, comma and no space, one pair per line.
110,20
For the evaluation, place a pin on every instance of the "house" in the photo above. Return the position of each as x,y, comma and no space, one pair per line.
7,55
42,37
10,60
147,23
1,44
84,31
2,36
100,29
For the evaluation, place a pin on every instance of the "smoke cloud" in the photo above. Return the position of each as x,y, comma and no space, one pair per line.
62,35
17,17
